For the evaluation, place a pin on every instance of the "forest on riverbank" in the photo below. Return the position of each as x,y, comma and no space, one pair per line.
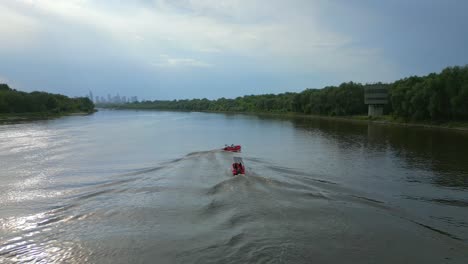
13,102
436,97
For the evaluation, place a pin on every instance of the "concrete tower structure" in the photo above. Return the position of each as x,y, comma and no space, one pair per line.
375,96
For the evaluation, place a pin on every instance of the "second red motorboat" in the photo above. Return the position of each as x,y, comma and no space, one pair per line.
232,148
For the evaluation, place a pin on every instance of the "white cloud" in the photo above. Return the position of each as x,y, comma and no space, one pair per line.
169,62
16,30
285,34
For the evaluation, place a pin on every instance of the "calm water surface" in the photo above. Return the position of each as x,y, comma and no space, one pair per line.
153,187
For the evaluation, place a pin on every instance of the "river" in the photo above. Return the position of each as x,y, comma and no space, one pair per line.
154,187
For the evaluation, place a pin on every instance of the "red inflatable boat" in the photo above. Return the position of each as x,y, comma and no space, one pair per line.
237,167
233,148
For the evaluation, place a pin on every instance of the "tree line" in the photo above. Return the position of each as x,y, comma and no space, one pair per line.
435,97
13,101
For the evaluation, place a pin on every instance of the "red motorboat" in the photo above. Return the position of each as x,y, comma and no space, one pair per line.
237,167
232,148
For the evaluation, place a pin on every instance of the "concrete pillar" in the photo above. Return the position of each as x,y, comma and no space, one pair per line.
375,110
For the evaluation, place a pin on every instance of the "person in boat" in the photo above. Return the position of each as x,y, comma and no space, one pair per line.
239,168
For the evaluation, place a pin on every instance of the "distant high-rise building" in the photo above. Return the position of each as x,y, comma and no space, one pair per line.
91,96
117,99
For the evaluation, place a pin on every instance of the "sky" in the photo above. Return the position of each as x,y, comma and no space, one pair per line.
174,49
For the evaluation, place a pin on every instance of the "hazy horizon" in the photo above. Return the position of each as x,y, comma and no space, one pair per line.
159,49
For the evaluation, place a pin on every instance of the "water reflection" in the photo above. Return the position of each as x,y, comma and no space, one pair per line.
39,238
440,152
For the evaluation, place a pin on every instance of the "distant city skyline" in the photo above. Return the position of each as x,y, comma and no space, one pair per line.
174,49
116,99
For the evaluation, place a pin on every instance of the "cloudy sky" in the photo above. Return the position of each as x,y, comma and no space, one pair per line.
172,49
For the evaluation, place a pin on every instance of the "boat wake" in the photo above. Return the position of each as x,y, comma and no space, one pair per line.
192,210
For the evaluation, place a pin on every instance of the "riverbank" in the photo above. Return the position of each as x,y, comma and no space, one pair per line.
386,120
382,120
390,120
6,118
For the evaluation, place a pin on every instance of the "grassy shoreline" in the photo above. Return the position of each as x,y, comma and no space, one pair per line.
390,120
6,118
382,120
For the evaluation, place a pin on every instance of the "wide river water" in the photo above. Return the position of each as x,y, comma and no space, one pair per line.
154,187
